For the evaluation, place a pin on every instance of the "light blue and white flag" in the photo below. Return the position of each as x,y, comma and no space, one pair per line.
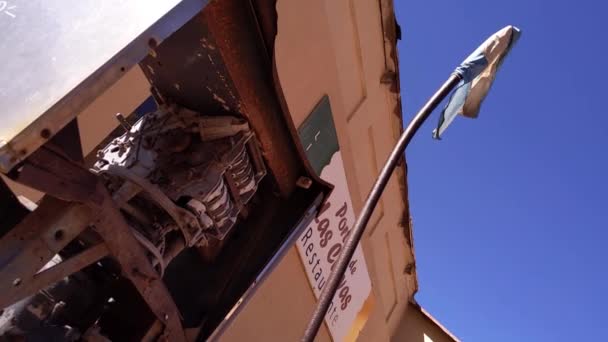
478,72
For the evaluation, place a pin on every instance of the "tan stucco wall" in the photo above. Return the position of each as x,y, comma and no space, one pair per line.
336,47
417,326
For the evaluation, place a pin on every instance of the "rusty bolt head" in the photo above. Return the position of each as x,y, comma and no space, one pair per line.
45,133
304,182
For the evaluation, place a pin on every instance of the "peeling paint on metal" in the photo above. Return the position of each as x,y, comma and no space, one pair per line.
219,99
150,69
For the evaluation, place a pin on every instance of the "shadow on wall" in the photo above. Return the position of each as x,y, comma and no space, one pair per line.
417,325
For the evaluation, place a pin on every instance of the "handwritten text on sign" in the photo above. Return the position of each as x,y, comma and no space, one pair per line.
8,8
320,246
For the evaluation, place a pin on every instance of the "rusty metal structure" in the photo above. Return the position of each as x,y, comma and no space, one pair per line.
176,216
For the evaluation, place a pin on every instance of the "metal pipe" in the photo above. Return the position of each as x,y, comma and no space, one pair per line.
370,203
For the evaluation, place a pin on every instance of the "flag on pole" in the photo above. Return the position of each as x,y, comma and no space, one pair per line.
478,72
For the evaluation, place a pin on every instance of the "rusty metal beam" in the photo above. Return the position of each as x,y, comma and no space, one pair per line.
36,239
244,53
28,287
265,12
50,171
136,267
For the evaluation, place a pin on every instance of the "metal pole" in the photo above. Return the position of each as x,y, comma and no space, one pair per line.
370,203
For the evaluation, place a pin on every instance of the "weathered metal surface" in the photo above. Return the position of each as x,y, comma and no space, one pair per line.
268,268
242,48
112,227
187,69
184,219
124,247
47,277
200,170
77,53
60,312
217,64
265,14
52,172
154,333
35,240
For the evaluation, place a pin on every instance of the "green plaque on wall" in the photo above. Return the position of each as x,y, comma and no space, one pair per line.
318,135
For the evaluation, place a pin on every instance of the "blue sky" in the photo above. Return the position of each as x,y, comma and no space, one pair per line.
510,211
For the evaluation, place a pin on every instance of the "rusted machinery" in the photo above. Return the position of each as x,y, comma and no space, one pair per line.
173,219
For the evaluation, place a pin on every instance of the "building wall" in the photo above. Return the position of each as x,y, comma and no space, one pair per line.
337,47
343,49
418,326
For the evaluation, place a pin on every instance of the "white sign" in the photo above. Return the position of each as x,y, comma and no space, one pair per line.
321,244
